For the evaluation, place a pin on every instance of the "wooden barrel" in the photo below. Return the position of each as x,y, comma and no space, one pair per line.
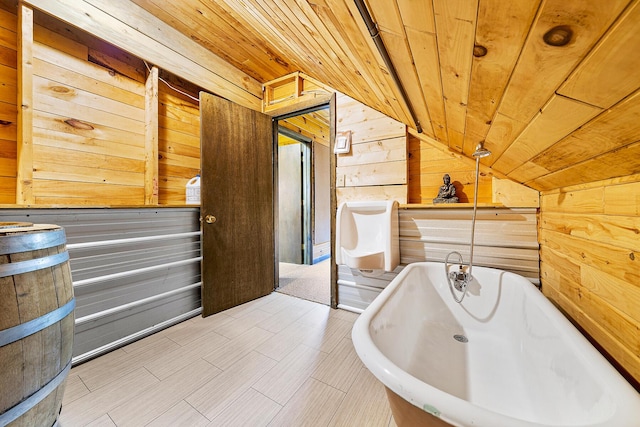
36,323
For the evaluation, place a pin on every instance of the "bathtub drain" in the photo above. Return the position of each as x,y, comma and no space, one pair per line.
460,338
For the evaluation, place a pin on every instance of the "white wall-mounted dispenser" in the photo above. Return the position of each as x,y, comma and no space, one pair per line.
367,236
193,191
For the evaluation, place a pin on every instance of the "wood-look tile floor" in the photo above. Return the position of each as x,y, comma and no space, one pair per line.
275,361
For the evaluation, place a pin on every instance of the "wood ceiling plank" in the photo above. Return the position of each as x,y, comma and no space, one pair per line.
542,68
251,20
528,171
385,13
387,16
370,91
402,59
610,130
558,118
417,15
340,22
617,163
315,137
291,31
502,132
202,22
455,24
346,22
289,26
322,40
610,71
424,50
314,130
501,29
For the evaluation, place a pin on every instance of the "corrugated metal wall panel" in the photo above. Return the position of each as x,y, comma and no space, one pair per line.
357,291
134,271
505,238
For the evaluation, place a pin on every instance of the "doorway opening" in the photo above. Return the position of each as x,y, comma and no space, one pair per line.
303,226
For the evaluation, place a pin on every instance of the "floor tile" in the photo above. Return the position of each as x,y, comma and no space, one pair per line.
313,405
365,404
235,349
115,365
180,414
74,389
163,395
172,361
329,335
92,406
240,325
103,421
282,382
213,397
281,320
250,409
284,342
340,368
197,328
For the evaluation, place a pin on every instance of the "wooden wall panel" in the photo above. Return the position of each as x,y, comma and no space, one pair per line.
89,122
376,166
427,165
8,109
178,145
590,262
78,106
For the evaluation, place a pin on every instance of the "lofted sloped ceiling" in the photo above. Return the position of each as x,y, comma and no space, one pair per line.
551,86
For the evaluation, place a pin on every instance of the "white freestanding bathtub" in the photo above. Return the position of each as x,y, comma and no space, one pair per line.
523,363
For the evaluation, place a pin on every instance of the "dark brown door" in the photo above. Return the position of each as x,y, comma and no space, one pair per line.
238,246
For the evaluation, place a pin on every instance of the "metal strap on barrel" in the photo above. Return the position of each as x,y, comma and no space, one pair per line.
33,264
31,241
15,333
31,401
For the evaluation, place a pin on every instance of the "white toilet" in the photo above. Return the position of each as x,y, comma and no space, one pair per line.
367,236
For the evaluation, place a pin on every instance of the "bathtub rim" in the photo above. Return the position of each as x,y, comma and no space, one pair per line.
446,406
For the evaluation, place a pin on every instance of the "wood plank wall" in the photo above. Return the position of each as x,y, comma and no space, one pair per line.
178,144
428,162
90,108
376,166
88,128
8,109
590,262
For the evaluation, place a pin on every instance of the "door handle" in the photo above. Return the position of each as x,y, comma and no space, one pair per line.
210,219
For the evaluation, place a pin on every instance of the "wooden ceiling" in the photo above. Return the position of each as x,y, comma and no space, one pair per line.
551,86
313,125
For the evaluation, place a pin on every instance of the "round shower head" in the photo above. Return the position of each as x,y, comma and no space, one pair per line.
481,152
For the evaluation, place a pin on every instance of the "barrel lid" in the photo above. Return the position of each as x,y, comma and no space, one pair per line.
15,224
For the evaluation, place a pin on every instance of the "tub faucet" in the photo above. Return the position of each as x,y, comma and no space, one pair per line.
460,279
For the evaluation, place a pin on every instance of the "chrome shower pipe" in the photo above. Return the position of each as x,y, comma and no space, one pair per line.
473,217
478,154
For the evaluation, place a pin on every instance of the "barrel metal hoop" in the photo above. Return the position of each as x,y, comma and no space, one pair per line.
33,264
26,242
31,401
15,333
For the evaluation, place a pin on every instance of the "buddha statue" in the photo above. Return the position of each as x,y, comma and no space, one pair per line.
447,191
